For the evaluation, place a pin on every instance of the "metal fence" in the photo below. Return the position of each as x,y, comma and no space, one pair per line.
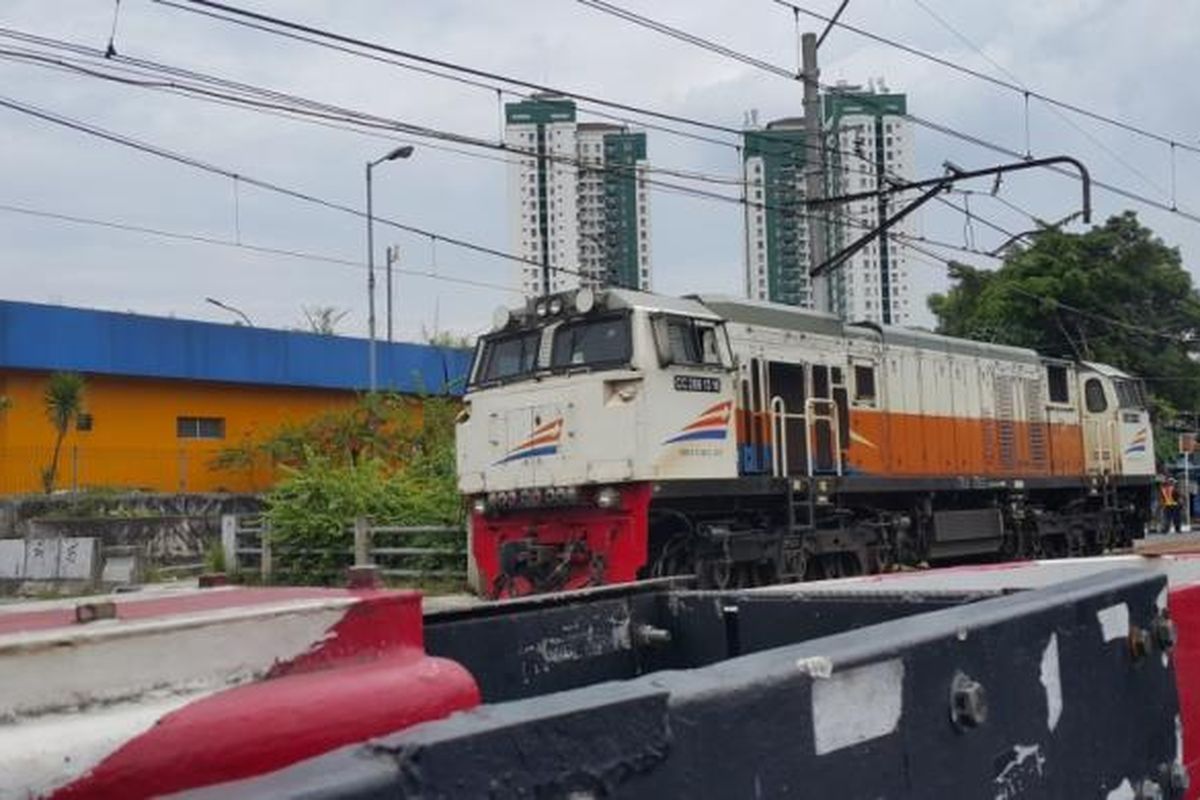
417,553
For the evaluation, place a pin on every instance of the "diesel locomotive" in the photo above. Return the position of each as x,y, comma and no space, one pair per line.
612,435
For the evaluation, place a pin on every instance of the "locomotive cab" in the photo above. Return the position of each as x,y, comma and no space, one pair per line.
575,404
1116,422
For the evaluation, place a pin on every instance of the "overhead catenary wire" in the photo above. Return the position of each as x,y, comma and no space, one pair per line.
199,238
869,100
652,182
1014,87
433,236
370,50
275,110
280,103
282,27
356,118
194,163
1113,154
247,18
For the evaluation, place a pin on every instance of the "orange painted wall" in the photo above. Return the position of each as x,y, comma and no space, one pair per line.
133,442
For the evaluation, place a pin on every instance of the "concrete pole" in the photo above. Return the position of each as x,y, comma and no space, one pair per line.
266,567
229,543
393,256
815,168
362,542
1187,492
372,380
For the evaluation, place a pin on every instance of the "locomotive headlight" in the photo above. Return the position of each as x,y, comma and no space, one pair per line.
556,306
608,497
479,505
541,309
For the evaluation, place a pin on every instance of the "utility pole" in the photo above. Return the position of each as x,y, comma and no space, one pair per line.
814,161
393,256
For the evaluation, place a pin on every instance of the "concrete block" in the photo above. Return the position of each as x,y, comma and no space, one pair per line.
77,559
90,612
12,559
41,559
121,570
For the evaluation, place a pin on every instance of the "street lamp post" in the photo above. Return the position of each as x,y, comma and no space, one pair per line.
214,301
403,151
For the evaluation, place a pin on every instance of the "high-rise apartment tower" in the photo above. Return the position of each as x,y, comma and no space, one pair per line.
577,199
868,144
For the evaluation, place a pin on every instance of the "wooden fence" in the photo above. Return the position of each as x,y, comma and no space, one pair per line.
401,552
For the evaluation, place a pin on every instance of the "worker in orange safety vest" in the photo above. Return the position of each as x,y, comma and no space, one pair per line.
1168,499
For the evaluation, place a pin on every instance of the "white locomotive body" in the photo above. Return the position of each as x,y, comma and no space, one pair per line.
611,435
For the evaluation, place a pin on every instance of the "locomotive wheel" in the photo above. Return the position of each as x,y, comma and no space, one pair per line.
1076,541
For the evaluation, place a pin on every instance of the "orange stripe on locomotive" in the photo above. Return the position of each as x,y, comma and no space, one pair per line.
888,443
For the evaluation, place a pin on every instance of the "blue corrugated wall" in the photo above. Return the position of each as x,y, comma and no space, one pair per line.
43,337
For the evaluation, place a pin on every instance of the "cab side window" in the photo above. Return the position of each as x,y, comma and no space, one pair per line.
682,340
1056,379
1093,395
1129,394
864,385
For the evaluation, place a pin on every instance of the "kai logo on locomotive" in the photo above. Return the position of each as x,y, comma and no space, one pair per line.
711,424
542,441
1138,443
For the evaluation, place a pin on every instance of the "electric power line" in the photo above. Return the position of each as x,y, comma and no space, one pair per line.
326,112
199,238
1114,155
1014,87
194,163
867,99
293,30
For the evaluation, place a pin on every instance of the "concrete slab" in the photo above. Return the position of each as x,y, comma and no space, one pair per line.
12,559
41,559
78,559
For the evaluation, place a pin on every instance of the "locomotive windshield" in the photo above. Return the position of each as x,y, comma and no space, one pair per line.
508,356
601,342
1129,394
590,343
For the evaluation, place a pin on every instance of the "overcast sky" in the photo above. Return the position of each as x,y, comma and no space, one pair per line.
1133,61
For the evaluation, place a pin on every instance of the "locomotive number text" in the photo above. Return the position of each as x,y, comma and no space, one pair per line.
696,383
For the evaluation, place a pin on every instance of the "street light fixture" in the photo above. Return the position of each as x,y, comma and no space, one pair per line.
214,301
404,151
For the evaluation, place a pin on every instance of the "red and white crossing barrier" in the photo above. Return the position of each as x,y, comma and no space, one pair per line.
189,689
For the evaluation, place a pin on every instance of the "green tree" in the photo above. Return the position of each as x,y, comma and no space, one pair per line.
63,402
323,319
388,457
439,338
1115,294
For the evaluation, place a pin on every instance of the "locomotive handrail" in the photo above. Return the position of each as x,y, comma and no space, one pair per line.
779,454
812,418
1112,444
779,433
